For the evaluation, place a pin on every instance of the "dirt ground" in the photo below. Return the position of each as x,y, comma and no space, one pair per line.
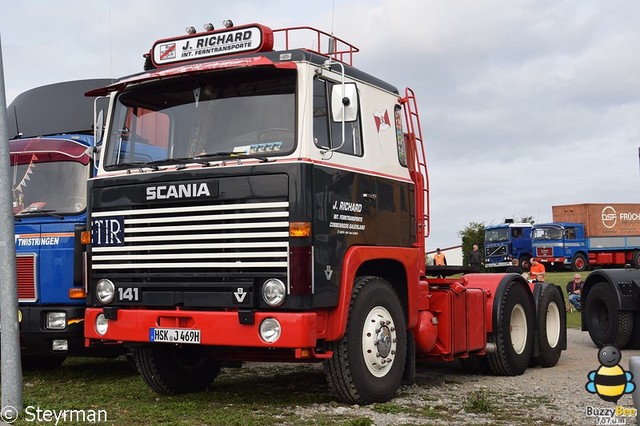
444,394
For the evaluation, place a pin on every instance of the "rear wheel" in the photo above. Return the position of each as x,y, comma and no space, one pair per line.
635,259
607,324
174,369
368,362
513,337
579,263
552,323
525,262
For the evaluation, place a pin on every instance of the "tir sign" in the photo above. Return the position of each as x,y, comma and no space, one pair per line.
251,38
107,232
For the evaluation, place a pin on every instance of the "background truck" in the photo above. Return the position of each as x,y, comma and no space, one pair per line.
590,235
255,203
50,154
505,242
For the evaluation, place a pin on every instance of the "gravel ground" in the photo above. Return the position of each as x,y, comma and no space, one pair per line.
446,394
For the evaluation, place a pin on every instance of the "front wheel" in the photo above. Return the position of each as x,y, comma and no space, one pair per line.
552,324
513,333
368,362
607,324
174,369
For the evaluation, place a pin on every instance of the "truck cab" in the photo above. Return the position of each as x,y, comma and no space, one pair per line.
255,202
505,242
49,172
560,243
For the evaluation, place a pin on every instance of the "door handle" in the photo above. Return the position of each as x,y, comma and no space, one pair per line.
369,196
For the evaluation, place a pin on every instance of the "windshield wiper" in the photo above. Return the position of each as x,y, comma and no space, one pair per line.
43,212
234,155
138,164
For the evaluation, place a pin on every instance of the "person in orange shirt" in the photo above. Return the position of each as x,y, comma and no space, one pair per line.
536,272
439,260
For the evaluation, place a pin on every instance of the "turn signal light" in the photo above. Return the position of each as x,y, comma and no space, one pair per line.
85,237
300,229
77,293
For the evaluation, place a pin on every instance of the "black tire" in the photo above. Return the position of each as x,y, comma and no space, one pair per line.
551,326
513,339
41,362
476,364
607,324
174,369
579,263
635,259
525,262
355,372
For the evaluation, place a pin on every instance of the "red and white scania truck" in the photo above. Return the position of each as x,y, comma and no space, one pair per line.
255,203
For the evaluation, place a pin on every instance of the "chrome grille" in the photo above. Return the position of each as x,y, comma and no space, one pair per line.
221,237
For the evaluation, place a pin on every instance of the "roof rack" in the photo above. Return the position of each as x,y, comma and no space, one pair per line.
336,48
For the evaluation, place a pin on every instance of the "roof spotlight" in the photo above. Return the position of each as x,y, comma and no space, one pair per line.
209,27
228,23
190,30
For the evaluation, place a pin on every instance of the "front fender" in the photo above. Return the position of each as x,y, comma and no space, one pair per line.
625,283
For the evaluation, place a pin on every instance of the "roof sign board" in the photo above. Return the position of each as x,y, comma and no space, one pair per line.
250,38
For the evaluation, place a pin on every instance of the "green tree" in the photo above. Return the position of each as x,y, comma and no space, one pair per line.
472,234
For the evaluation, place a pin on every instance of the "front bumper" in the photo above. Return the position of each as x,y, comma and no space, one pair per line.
298,330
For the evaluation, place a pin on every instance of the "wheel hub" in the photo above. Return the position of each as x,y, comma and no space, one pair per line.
379,341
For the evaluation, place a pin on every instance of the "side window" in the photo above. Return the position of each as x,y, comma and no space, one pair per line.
328,133
400,141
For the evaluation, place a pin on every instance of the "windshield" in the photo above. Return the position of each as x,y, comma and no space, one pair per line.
546,234
224,113
496,235
58,187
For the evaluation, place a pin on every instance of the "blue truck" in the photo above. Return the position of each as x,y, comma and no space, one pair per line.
50,152
590,235
505,242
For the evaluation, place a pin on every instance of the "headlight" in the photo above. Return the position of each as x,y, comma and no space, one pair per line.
56,320
270,330
105,290
101,325
274,292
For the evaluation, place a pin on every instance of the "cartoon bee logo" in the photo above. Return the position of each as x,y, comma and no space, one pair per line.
610,381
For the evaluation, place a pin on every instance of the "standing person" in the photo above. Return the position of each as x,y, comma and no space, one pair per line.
439,258
536,271
515,267
574,288
475,258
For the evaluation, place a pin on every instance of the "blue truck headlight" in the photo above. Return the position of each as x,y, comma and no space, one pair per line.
105,291
56,320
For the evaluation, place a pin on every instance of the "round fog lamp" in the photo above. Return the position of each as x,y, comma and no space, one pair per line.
102,324
270,330
105,290
274,292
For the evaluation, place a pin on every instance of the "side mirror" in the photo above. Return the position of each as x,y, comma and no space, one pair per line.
344,100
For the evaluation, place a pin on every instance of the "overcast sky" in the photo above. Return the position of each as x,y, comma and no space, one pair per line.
524,104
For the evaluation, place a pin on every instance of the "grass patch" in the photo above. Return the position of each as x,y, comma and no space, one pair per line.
478,402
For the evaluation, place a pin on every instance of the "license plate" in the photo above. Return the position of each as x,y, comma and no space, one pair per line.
174,335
